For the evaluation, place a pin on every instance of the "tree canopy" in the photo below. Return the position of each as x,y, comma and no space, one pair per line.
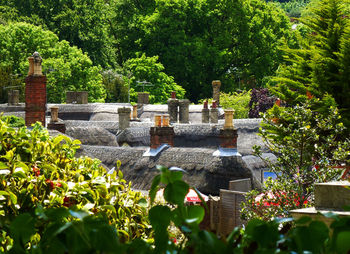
67,68
320,67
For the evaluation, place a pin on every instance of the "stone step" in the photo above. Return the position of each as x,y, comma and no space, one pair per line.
332,195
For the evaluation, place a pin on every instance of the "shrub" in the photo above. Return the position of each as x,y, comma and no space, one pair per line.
38,170
67,68
260,101
14,121
238,101
307,145
75,231
143,68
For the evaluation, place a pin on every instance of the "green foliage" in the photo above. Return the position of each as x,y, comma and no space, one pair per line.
38,170
67,68
83,23
13,121
293,8
116,87
307,145
199,41
150,70
321,65
74,231
239,101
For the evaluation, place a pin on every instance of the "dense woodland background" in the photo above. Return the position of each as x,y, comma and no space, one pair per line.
105,46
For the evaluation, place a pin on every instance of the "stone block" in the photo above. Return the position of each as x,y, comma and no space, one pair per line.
77,97
332,195
142,98
13,97
242,185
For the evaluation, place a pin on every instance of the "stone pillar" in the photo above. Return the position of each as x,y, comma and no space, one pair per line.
54,114
35,92
124,118
13,97
184,111
216,91
77,97
82,97
54,123
205,113
142,98
161,135
214,113
173,109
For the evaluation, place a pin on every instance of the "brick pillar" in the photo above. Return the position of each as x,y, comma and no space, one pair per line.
184,111
124,118
35,92
214,113
173,109
216,91
13,97
205,113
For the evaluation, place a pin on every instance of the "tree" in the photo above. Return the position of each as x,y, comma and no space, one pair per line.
321,65
148,69
199,41
67,68
82,23
309,146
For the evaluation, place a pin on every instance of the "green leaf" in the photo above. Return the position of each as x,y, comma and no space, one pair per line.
175,192
143,202
160,216
195,214
78,214
154,188
22,165
303,220
13,197
3,165
343,242
22,228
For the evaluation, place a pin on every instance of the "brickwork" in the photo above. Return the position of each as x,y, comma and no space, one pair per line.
161,135
228,138
35,99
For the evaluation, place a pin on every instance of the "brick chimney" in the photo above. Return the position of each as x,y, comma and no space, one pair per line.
161,133
35,92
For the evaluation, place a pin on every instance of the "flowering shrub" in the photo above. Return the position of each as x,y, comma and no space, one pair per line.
273,201
307,145
39,170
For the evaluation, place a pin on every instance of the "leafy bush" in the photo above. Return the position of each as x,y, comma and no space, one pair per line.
238,101
72,231
13,121
148,69
116,87
260,101
308,145
38,170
